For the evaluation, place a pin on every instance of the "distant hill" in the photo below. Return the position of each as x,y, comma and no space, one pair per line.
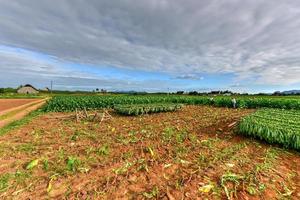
289,92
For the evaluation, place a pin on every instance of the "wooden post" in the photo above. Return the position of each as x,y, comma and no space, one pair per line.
77,117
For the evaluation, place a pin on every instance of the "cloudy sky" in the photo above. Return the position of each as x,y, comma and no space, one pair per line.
151,45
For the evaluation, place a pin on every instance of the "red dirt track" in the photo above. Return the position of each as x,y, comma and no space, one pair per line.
6,104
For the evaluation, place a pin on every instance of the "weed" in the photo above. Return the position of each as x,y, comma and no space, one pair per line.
261,187
4,182
142,165
285,193
209,143
73,163
181,136
61,155
103,151
168,134
233,178
45,165
89,151
193,138
123,140
28,147
127,155
228,152
150,150
123,169
181,151
179,183
4,149
202,159
251,189
154,193
75,136
269,159
21,176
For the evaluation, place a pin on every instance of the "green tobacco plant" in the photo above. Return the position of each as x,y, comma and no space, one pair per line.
274,126
71,103
140,109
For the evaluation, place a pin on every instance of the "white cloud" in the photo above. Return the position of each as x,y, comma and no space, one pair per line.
253,39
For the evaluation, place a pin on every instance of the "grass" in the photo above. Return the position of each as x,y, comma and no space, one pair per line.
4,181
26,147
21,96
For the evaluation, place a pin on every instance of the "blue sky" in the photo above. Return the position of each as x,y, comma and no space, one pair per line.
154,81
244,46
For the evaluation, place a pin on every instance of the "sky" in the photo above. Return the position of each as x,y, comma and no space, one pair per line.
151,45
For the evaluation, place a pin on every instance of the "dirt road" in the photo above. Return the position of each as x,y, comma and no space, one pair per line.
7,104
14,110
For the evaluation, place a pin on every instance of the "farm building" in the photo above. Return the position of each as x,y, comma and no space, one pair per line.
27,89
46,89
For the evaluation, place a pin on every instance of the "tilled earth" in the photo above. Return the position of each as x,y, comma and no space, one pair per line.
193,153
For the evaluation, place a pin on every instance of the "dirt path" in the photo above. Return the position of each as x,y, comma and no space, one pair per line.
9,105
19,112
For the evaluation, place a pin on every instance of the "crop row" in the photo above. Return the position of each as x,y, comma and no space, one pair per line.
273,126
140,109
70,103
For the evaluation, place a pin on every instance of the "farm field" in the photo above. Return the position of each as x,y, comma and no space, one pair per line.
192,153
274,126
70,103
149,100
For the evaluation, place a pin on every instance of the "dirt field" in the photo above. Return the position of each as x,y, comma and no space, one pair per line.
189,154
6,104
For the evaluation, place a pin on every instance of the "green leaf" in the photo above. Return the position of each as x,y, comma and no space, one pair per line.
32,164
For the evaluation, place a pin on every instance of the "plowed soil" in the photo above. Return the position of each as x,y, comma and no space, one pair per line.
193,153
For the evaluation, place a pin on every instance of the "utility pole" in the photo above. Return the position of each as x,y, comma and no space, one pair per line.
51,86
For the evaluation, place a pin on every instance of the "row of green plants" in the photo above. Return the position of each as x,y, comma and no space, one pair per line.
70,103
274,126
140,109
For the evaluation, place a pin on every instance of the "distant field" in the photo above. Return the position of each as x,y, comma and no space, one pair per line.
20,96
70,103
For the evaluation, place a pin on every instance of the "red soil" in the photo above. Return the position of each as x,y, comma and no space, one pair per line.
24,110
200,151
6,104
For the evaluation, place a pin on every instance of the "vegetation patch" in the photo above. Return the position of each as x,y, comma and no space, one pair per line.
274,126
71,103
141,109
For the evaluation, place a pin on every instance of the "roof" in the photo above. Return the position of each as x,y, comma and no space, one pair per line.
28,85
